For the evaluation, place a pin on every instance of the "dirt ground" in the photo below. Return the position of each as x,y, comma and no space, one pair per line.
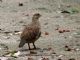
60,28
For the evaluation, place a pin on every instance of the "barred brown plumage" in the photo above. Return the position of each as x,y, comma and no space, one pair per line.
31,32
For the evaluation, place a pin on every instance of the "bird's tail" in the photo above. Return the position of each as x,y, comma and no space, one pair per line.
21,44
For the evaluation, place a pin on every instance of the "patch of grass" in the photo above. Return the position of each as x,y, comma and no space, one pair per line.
71,11
43,9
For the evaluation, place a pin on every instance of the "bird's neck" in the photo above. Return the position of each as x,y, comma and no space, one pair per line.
35,21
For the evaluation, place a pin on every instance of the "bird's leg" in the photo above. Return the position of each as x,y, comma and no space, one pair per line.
29,46
34,45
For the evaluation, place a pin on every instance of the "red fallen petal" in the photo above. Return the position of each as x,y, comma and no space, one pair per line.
46,33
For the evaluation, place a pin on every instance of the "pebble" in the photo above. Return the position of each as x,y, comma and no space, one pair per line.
59,59
4,58
77,49
60,56
20,4
67,48
71,59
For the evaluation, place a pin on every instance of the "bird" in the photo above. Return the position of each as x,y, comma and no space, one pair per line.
31,32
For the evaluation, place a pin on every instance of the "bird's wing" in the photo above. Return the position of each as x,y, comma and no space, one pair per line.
30,33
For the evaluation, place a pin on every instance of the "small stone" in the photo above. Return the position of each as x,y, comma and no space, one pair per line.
68,49
20,4
71,59
60,56
77,49
60,31
66,46
59,59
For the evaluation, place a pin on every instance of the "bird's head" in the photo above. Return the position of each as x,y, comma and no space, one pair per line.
36,16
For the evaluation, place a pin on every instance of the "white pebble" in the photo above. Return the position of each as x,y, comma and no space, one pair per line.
60,56
17,54
3,58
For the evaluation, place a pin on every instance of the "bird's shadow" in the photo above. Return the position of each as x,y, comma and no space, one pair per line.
31,49
32,52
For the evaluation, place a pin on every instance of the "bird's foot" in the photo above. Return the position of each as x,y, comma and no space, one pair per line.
32,48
